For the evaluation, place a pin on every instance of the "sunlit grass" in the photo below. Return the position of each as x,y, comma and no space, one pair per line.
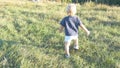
29,36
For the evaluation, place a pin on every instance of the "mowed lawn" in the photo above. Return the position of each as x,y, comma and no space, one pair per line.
29,36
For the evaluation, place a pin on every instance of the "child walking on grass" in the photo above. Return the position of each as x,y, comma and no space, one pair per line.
71,24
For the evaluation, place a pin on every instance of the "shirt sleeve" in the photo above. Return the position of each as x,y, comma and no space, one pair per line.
79,21
62,22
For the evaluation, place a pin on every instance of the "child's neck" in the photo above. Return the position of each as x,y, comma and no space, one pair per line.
71,15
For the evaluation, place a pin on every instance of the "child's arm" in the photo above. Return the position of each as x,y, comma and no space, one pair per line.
85,29
61,28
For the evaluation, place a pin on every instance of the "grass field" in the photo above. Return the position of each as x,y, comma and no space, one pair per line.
29,36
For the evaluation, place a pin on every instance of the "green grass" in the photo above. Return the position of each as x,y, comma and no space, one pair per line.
29,36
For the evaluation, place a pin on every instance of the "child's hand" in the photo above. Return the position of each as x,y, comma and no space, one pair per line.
88,33
61,29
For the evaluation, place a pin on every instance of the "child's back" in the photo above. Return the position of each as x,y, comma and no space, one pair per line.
71,24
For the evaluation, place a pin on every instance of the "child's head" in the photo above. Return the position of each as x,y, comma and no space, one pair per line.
71,9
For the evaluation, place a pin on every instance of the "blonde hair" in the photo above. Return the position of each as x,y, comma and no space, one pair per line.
71,9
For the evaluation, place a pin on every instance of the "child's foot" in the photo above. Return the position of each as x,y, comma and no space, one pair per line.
67,56
76,47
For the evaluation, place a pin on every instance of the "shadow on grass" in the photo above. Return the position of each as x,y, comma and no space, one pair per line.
114,46
110,23
9,43
40,15
10,56
100,61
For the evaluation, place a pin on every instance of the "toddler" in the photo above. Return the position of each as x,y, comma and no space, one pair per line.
71,24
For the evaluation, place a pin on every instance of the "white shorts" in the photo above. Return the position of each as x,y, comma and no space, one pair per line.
69,38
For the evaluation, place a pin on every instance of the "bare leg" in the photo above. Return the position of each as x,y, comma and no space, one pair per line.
67,44
76,44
